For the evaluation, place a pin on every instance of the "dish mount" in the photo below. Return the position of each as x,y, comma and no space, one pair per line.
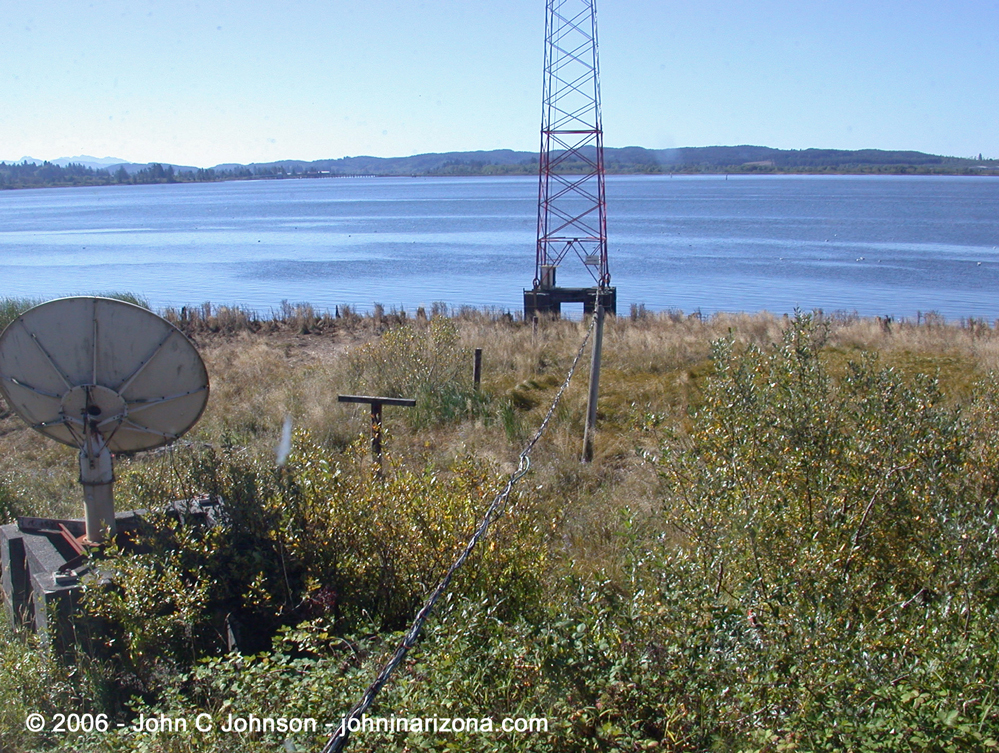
105,377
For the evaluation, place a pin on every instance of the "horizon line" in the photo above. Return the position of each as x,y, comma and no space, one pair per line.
91,160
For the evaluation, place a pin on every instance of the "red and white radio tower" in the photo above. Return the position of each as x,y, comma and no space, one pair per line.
572,216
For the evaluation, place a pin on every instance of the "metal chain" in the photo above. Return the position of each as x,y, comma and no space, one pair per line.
339,739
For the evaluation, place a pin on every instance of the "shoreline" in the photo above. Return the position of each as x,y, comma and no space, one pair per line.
100,178
305,319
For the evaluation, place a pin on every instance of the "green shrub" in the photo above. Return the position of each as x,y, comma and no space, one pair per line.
846,549
818,571
421,361
11,308
381,543
322,537
30,682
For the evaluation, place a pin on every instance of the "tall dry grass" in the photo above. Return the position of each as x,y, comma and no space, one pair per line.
294,363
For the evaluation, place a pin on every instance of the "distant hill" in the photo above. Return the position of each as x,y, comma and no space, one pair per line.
96,163
134,167
419,164
634,159
761,156
30,173
84,170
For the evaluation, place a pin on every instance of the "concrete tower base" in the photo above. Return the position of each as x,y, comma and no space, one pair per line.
549,300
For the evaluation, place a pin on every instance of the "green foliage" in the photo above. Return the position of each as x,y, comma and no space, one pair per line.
30,682
576,670
47,174
381,544
424,362
9,505
323,537
134,299
11,308
834,524
239,563
798,474
147,616
32,175
818,572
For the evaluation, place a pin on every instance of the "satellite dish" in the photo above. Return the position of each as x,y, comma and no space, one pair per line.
103,376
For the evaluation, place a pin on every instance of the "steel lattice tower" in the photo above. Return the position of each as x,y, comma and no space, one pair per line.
572,221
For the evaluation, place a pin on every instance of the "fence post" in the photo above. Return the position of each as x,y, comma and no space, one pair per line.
376,404
591,405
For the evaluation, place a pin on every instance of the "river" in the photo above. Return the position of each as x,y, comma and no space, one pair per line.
875,245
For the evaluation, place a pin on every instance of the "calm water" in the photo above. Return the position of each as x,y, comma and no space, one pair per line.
875,245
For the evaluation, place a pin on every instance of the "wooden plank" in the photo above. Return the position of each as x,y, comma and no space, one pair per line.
404,401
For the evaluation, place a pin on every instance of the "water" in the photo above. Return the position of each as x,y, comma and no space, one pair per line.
877,245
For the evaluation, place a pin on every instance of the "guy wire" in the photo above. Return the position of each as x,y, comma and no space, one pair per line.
339,739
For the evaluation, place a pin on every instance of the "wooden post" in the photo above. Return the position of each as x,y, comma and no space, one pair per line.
591,405
376,430
477,369
376,404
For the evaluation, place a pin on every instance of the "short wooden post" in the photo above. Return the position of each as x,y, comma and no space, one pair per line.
376,430
376,404
477,369
591,405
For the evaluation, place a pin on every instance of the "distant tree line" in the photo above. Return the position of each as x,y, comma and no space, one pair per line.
47,174
628,160
478,167
31,175
764,168
732,159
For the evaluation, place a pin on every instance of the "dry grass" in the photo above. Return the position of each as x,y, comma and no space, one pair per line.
600,522
297,362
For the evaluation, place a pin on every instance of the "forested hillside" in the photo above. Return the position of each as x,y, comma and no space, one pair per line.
626,160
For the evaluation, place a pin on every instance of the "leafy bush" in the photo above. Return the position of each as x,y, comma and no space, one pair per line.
381,544
818,571
31,681
323,537
834,523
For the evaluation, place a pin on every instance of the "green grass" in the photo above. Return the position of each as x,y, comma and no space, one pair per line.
13,307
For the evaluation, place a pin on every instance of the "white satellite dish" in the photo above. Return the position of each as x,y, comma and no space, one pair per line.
104,376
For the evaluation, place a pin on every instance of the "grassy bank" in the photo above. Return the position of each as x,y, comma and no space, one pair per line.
786,541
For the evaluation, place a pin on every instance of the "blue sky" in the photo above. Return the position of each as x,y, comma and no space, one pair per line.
202,82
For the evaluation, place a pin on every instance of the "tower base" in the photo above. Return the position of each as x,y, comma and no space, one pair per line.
43,565
549,300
